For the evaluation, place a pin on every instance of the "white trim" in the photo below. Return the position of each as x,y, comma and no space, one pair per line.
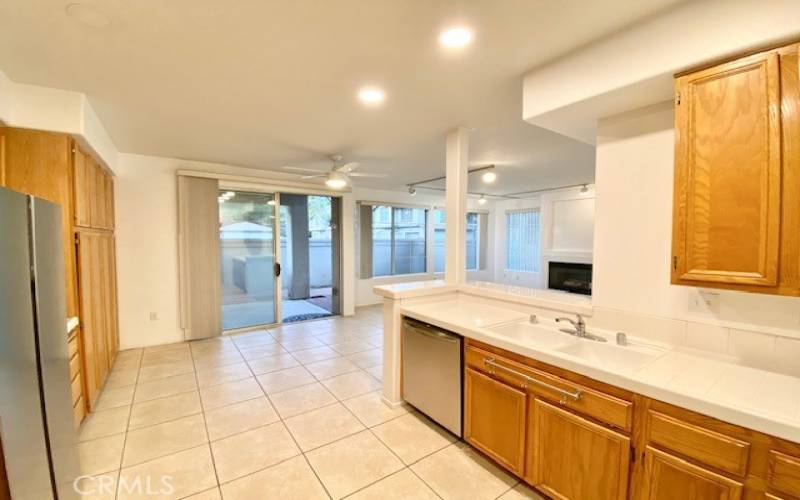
283,184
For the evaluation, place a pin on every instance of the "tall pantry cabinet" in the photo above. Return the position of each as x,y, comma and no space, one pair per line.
53,166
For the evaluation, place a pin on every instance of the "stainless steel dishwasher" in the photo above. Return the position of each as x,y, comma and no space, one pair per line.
432,374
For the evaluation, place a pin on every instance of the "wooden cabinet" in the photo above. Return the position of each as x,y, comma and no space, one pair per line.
607,443
94,193
737,174
494,419
98,307
571,457
39,163
671,478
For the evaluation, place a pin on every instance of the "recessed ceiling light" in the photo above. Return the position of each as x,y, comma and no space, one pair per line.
456,37
489,177
371,96
88,15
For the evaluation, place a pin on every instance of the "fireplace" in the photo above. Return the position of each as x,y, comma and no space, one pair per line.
570,277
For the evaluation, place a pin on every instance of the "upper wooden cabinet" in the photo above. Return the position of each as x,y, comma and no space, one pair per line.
39,163
736,223
94,193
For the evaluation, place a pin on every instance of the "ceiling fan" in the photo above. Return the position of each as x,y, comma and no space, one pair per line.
338,176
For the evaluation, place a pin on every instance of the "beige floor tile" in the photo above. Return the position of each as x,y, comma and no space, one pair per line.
165,409
190,471
239,417
283,380
331,367
335,337
146,391
260,339
412,437
292,479
253,450
104,423
215,375
229,393
376,340
351,384
401,485
262,351
521,492
352,347
114,398
177,346
98,486
128,363
371,410
272,363
322,426
301,399
376,372
307,356
212,494
101,455
301,344
157,372
352,463
459,472
121,378
162,357
217,360
367,359
159,440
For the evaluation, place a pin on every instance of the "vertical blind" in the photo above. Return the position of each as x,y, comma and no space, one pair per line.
522,240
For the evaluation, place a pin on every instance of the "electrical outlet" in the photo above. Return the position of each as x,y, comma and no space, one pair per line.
704,302
153,316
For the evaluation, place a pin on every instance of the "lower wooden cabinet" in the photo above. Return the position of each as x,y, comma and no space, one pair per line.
572,458
494,419
668,477
610,444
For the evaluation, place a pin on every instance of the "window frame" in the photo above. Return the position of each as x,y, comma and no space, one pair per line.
393,218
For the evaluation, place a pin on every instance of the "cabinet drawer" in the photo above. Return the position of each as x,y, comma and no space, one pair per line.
72,346
74,366
717,450
784,473
608,409
76,389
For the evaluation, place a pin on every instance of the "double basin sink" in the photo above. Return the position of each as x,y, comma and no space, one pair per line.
607,356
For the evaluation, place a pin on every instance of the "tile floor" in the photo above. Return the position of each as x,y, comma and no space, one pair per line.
289,413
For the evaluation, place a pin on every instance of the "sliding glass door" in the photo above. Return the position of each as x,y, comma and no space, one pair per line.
249,266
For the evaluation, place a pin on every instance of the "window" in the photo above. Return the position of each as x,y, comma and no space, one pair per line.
522,240
393,240
475,238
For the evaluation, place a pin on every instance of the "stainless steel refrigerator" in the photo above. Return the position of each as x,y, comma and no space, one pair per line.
36,419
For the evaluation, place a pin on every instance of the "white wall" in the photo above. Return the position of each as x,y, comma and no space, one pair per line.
566,232
635,155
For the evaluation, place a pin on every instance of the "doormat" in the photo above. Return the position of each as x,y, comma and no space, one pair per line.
306,317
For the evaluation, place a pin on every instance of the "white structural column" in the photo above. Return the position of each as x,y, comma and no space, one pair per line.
457,172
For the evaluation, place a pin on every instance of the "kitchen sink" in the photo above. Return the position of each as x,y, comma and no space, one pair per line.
611,357
534,334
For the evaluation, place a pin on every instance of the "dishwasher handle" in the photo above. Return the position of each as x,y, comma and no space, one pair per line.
431,333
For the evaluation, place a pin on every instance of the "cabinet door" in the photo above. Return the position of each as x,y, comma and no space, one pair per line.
109,320
109,201
98,197
82,187
572,458
39,163
494,419
670,478
92,314
727,207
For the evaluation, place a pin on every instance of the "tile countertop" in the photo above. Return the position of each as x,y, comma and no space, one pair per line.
756,399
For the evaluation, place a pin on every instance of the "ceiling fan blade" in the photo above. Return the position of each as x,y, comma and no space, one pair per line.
347,167
312,176
364,174
301,169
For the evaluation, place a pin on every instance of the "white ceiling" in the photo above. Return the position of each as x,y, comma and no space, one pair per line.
266,83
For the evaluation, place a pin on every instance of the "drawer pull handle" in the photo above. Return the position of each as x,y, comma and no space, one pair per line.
564,394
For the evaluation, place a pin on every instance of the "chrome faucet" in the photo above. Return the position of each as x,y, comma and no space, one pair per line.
579,329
